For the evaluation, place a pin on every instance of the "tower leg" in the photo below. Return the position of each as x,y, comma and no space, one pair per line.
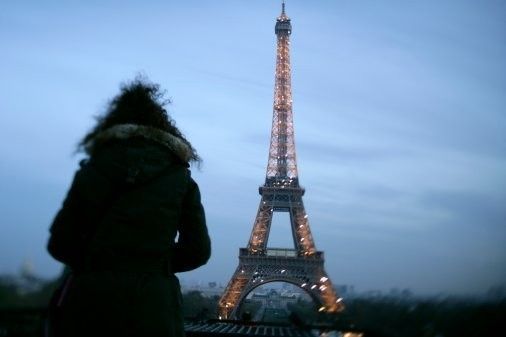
233,293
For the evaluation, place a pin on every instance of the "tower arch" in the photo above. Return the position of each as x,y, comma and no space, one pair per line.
304,290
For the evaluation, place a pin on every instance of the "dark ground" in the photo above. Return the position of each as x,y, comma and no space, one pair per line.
23,311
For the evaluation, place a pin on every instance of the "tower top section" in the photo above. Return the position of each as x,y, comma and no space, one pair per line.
282,165
283,25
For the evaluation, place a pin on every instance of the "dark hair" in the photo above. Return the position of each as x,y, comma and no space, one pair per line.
139,102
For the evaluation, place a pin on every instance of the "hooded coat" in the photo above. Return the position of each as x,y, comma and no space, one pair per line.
117,232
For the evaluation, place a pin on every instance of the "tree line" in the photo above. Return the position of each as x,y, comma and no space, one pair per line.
24,300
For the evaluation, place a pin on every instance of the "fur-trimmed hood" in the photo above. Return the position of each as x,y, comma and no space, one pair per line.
126,131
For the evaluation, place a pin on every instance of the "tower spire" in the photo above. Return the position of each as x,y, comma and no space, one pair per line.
282,164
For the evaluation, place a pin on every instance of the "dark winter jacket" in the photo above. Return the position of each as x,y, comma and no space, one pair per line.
126,206
131,198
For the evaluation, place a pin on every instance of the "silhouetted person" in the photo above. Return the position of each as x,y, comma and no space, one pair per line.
117,228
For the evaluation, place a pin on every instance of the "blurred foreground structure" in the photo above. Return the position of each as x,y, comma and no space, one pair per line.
281,192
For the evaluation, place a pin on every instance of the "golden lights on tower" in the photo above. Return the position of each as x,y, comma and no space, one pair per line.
302,264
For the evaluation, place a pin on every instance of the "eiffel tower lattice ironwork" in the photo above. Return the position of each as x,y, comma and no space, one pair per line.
258,264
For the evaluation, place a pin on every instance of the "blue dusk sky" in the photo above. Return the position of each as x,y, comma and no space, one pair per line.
399,109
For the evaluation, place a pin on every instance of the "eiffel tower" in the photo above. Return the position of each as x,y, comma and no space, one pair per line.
258,264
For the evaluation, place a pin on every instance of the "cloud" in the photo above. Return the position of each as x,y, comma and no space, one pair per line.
356,154
470,208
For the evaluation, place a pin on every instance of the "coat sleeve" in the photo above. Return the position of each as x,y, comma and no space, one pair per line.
193,247
75,222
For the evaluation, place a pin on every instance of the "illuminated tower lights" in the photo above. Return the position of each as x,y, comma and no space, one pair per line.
281,192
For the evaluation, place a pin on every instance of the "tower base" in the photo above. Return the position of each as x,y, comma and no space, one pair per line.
279,265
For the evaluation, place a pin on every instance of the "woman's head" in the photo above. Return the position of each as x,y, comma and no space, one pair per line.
139,102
